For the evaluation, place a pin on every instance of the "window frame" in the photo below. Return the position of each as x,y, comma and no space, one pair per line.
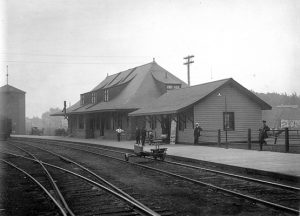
80,122
153,122
228,117
106,95
182,122
93,97
82,99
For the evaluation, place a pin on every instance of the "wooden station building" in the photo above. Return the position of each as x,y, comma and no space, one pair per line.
150,96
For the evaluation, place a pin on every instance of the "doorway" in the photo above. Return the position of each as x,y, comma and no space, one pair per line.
102,125
165,127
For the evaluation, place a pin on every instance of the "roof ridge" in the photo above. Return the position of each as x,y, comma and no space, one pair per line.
210,82
7,86
194,86
131,68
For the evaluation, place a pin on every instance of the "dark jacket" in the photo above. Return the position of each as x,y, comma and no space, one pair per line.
197,131
138,132
263,132
144,132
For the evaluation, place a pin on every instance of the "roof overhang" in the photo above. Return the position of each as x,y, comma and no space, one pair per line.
153,113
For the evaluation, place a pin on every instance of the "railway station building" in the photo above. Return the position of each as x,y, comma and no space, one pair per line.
149,96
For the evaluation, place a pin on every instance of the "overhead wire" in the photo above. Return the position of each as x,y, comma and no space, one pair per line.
79,56
71,56
52,62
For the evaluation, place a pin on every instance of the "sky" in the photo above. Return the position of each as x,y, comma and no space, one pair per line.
57,49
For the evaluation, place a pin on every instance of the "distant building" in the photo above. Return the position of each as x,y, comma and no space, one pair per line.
12,106
283,116
149,96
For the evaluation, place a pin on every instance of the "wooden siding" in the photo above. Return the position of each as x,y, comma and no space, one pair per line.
12,105
186,135
209,113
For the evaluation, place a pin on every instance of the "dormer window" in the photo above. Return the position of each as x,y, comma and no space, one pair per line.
172,86
106,96
93,97
82,99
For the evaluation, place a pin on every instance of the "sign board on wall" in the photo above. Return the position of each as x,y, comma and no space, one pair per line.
290,123
173,132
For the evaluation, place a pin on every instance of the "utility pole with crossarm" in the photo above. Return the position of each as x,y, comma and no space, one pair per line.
188,58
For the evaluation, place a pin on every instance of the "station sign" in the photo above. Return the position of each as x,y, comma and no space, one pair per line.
290,123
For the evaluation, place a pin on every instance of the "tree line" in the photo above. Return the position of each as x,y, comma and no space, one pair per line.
276,99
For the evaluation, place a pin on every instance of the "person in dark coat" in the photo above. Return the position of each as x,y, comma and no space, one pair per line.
197,131
143,133
138,135
263,134
119,132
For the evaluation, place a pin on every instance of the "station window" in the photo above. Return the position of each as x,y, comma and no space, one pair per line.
80,122
228,120
182,122
82,99
120,121
106,95
107,123
98,122
93,97
170,87
153,122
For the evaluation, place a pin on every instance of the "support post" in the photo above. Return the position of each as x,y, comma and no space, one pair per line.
219,137
287,141
249,138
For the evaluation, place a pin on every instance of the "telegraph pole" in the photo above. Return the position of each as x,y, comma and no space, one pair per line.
188,58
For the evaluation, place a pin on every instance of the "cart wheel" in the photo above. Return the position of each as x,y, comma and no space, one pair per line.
126,157
163,157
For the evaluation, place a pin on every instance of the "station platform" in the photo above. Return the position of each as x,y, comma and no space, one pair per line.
276,163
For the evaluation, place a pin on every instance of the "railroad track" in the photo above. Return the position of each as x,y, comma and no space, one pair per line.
279,196
83,194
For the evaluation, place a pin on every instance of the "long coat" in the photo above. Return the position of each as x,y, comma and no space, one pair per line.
197,131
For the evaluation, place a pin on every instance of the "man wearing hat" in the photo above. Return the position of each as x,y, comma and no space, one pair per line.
263,134
197,133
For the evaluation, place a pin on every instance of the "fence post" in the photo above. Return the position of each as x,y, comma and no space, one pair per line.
249,138
219,137
287,141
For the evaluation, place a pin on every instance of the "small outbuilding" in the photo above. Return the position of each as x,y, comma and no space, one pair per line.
12,107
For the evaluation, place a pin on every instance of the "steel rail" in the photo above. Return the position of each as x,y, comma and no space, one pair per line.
274,205
133,205
50,178
92,173
198,182
205,169
39,184
234,175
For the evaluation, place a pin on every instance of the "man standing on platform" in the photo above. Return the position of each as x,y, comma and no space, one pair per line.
119,132
263,134
197,131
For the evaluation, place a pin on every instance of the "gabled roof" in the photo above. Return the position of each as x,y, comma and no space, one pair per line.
140,89
180,99
9,88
